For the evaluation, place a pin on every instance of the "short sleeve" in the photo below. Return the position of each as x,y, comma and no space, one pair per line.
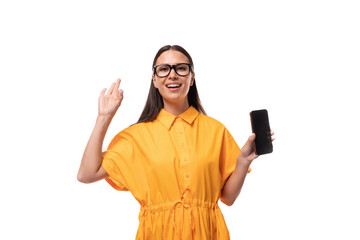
228,156
117,162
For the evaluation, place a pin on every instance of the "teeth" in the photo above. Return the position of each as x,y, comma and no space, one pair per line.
173,85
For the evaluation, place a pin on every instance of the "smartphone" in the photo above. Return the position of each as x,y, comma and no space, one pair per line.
261,127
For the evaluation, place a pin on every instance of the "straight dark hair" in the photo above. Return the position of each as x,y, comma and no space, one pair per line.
154,102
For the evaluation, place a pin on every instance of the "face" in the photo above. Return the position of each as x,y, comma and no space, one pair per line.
170,94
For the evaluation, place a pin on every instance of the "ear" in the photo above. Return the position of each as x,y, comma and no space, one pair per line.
154,81
192,79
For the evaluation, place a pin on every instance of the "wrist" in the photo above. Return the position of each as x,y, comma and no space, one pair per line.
103,119
242,163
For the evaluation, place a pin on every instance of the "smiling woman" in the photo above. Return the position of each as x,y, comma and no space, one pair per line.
176,161
168,68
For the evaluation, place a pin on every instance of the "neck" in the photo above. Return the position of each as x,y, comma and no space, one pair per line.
176,108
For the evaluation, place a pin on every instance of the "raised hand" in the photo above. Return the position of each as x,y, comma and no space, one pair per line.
110,102
247,153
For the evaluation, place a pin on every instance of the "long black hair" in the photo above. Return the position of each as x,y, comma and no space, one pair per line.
154,102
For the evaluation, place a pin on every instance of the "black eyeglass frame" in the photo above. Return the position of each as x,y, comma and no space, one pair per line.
173,67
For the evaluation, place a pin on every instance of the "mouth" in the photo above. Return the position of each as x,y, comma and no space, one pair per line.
173,86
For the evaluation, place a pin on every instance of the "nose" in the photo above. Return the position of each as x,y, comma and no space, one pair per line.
172,73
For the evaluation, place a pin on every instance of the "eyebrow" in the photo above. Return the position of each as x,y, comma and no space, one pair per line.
171,64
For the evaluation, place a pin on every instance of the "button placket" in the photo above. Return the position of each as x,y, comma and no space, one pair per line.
184,161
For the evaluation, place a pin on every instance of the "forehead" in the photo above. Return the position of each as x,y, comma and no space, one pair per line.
172,57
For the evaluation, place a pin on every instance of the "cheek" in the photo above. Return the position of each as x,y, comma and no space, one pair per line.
156,83
188,82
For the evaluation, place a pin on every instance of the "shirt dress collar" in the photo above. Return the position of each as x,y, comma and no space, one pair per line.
167,118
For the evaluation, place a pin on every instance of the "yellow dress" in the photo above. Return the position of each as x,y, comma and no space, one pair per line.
175,167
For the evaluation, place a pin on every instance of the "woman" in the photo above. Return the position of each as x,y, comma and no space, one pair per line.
176,161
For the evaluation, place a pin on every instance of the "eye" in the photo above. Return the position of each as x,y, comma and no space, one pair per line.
181,68
163,68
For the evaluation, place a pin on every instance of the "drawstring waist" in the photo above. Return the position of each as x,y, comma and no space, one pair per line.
171,206
192,220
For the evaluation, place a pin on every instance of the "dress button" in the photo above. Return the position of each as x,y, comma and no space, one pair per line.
187,175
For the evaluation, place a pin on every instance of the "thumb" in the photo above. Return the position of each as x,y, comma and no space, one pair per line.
248,147
251,138
120,94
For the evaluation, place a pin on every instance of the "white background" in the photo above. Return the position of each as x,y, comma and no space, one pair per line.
298,59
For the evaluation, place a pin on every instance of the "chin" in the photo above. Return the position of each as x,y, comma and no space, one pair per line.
174,99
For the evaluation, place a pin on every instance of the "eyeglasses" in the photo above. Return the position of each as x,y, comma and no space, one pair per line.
181,69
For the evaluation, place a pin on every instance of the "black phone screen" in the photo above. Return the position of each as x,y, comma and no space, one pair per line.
261,127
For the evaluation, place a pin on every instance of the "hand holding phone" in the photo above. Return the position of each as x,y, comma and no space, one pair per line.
261,127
